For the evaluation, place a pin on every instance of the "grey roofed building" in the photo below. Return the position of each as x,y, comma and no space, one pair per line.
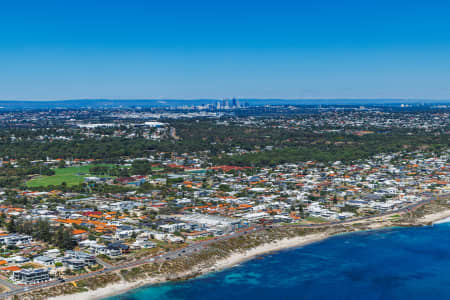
86,257
44,260
74,263
31,276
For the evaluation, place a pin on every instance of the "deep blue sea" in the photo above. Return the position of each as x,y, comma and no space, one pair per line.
397,263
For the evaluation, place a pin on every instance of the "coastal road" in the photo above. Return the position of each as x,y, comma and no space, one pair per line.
198,246
103,263
8,284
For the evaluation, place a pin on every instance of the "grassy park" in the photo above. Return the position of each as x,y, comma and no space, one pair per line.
71,176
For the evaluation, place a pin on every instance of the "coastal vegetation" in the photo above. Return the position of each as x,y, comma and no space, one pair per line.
74,288
187,266
198,262
441,204
41,229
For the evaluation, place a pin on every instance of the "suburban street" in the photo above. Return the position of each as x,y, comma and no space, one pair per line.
198,246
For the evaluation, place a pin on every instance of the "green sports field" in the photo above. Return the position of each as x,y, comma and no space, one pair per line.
71,176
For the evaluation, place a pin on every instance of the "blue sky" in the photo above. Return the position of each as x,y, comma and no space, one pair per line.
213,49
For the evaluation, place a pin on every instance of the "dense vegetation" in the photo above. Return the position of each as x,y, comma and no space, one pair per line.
338,150
41,230
260,143
289,144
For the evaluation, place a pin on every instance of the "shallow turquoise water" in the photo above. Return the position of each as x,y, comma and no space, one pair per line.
399,263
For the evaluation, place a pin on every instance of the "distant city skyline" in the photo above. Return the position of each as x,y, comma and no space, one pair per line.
59,50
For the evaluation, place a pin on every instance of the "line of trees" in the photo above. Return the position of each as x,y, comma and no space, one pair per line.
138,167
41,230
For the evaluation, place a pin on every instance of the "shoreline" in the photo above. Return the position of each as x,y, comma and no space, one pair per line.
234,259
436,217
229,262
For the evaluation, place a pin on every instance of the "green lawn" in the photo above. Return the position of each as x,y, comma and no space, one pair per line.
71,176
394,217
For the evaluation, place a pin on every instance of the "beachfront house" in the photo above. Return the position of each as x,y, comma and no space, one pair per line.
31,276
44,260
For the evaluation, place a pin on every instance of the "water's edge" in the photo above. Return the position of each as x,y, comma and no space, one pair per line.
272,254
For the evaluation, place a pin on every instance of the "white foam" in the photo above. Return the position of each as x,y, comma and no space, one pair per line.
446,220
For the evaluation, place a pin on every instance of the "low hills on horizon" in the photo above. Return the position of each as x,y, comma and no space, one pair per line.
131,103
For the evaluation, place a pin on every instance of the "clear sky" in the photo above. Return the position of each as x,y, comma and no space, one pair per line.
129,49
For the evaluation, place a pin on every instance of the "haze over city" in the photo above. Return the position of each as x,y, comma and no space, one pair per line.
54,50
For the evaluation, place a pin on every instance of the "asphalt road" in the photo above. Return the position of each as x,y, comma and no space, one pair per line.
18,289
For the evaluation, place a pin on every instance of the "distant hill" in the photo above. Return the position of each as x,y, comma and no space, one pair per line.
111,103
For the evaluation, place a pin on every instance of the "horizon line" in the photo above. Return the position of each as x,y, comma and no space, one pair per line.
228,98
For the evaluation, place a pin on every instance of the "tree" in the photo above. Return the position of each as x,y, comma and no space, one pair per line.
141,167
224,188
99,170
12,225
67,239
2,219
43,230
62,164
335,199
58,239
301,211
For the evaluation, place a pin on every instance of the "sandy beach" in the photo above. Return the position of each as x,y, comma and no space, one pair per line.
235,259
232,260
435,217
111,290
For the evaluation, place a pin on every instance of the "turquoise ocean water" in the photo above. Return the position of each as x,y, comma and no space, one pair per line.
397,263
